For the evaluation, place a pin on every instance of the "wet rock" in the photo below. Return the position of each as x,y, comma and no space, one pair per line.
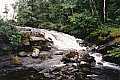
100,63
59,52
83,63
72,55
22,54
34,38
25,38
80,57
47,75
84,56
16,60
35,52
44,55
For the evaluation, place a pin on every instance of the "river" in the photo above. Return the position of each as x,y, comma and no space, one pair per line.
101,71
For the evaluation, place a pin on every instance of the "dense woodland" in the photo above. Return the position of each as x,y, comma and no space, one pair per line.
95,21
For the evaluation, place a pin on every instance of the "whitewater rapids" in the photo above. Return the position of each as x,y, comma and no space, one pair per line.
60,40
63,41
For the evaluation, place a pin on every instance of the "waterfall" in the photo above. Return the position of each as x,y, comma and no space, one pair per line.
61,40
101,63
64,41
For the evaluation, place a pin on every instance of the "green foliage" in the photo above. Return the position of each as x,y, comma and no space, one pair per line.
106,34
32,12
98,36
83,24
81,18
13,37
113,8
114,52
69,16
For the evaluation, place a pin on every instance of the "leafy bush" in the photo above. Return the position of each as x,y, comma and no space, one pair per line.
114,52
83,23
99,36
12,36
106,34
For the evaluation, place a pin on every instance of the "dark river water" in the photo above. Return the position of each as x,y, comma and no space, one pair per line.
97,73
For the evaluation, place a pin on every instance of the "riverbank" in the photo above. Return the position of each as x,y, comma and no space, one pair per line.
51,55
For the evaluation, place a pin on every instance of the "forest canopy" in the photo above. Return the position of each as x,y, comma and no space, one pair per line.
76,17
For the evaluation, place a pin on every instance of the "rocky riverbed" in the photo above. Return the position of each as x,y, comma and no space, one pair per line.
53,68
51,55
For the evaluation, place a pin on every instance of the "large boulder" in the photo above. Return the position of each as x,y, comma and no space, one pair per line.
15,60
44,55
22,54
35,39
81,57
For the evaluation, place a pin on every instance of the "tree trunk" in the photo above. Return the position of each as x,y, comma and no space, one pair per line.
93,7
104,10
92,10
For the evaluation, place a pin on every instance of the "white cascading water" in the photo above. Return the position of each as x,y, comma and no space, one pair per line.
97,57
99,61
61,41
64,41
